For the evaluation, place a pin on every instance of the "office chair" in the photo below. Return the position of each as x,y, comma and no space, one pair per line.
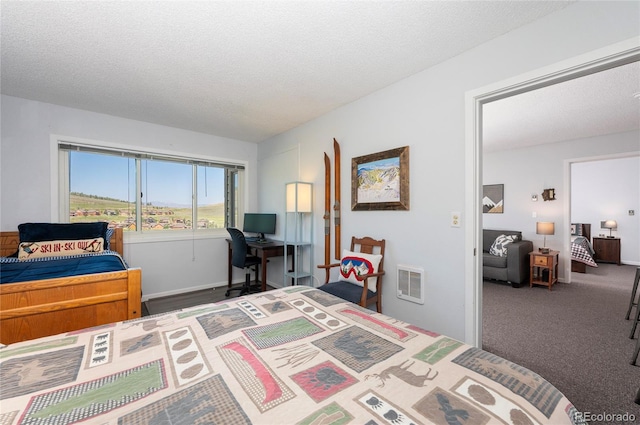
242,259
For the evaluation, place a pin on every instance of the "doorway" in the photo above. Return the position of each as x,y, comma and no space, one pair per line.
609,57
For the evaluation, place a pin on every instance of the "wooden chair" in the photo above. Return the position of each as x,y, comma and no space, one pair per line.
361,295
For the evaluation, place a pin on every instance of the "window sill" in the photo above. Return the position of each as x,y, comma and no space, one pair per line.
172,235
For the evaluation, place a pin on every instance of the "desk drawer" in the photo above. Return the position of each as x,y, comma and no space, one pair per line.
539,260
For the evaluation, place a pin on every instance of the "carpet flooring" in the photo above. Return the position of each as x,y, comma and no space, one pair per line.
575,336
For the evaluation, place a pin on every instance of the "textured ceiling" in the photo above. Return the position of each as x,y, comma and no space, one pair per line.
597,104
239,69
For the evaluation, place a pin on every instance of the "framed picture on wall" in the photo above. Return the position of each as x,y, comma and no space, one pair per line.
380,181
493,199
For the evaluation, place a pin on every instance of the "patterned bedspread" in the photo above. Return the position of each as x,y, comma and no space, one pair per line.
580,251
290,356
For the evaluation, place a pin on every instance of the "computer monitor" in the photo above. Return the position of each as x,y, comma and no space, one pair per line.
259,223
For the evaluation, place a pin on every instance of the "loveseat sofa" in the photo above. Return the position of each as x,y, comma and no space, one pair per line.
513,266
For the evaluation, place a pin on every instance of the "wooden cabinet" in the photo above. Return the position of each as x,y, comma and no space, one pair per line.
607,250
543,268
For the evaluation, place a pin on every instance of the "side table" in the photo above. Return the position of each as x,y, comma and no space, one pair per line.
538,263
607,250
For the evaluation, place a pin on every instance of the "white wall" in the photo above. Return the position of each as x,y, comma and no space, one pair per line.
26,194
607,190
426,113
545,170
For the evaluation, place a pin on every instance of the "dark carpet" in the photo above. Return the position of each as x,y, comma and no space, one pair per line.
576,336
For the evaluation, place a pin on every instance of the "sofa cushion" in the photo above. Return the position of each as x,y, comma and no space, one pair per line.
489,260
499,246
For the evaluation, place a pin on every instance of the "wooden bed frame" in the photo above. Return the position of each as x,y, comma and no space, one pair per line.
577,266
40,308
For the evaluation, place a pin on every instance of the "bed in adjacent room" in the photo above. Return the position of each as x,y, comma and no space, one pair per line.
294,355
582,253
62,277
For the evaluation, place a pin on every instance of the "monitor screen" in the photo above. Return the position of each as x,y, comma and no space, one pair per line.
259,223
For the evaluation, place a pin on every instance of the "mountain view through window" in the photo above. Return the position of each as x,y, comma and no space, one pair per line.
102,187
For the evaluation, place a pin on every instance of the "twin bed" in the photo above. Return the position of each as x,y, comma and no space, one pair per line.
42,305
294,355
582,253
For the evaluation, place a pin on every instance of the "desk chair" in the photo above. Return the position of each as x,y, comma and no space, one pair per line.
363,289
242,259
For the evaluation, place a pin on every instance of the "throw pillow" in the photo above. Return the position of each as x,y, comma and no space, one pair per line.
499,246
354,265
28,250
37,232
107,239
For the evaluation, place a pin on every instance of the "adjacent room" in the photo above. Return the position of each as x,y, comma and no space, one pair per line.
598,188
291,196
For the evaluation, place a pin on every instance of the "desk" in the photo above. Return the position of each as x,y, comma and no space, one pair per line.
266,250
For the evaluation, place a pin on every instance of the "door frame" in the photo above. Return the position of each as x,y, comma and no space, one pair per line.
598,60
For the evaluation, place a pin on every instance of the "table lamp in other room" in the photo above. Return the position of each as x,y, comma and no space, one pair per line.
545,228
611,225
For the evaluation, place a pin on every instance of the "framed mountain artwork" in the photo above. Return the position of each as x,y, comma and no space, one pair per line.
380,181
493,198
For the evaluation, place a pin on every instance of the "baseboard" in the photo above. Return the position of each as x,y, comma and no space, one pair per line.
147,297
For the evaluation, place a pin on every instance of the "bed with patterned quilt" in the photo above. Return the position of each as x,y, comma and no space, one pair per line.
582,253
294,355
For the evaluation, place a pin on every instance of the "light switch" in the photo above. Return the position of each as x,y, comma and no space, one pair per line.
534,214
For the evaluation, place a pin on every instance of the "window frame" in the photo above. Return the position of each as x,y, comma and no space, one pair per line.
60,186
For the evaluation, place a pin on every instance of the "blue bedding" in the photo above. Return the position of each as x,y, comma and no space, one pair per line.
13,270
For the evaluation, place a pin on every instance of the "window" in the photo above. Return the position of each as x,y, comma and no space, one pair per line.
145,192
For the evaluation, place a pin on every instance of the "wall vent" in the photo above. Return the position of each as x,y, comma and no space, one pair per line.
411,283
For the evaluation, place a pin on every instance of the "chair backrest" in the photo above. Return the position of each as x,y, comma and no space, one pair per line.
370,246
239,248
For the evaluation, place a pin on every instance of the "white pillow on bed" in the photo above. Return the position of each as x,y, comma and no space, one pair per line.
27,250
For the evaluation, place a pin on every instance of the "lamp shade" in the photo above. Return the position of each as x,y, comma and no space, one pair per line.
545,228
298,197
610,224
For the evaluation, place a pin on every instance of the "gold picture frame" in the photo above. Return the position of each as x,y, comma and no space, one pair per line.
380,181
